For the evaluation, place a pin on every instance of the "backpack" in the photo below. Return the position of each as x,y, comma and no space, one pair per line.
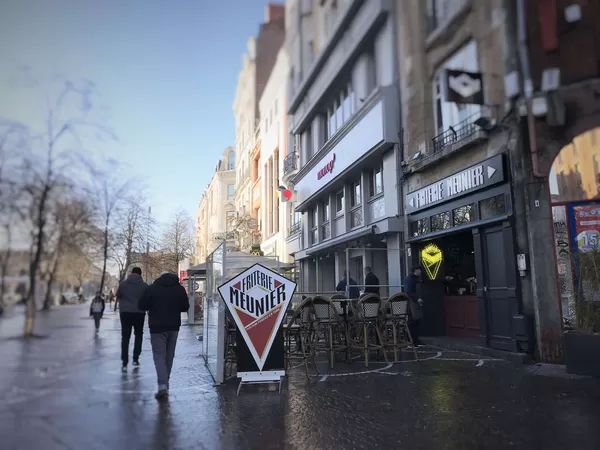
97,305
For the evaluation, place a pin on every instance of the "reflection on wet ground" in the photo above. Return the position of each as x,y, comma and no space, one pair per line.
67,391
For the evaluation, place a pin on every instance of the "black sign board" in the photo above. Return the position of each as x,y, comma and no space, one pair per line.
471,179
459,86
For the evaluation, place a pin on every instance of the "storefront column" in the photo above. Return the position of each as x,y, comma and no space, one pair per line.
394,262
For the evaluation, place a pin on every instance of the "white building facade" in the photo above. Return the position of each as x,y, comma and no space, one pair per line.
276,215
344,123
217,212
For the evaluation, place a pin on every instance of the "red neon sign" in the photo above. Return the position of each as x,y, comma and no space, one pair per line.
328,168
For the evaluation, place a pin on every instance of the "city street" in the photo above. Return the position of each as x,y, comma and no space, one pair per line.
65,390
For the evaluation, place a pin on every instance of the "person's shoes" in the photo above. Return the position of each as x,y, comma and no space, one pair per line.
163,391
136,363
124,368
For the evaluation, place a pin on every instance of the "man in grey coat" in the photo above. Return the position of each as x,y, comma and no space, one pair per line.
128,295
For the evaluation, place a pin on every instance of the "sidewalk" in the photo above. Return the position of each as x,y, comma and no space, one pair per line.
67,392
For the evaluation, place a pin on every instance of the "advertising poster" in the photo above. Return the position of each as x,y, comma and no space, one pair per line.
587,227
585,235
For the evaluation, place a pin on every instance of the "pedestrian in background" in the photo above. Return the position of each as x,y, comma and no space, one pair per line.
415,304
128,295
97,309
348,282
165,300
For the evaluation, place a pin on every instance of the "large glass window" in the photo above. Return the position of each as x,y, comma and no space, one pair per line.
492,207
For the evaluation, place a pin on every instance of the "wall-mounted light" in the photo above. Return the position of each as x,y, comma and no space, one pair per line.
431,259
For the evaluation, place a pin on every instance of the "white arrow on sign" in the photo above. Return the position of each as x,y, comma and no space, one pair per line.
411,202
464,85
491,171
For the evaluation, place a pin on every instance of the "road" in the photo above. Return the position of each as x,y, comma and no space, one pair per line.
65,390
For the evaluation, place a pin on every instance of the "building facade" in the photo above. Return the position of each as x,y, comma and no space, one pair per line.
217,212
343,120
276,215
256,68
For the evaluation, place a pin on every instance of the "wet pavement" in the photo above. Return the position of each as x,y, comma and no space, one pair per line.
66,391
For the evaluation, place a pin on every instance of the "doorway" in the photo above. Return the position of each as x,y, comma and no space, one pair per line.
356,269
461,306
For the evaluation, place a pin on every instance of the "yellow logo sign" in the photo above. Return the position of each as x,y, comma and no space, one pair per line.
431,257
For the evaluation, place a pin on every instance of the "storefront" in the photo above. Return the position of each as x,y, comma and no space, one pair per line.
461,235
349,203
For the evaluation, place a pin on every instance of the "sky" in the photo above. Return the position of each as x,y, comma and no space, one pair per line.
166,70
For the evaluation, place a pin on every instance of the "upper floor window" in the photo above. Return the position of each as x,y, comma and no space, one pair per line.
230,218
231,160
355,194
341,108
376,182
449,114
441,12
339,202
371,69
230,192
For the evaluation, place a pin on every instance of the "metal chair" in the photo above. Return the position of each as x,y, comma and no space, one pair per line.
327,323
297,334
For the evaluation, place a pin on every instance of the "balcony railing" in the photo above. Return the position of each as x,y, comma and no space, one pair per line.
290,163
294,229
456,133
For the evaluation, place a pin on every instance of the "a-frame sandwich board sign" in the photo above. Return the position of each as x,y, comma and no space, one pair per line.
258,299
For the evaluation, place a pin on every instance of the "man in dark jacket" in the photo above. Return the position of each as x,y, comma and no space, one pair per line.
353,290
415,304
371,282
128,295
165,300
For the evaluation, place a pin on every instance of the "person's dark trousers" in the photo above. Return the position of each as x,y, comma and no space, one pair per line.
97,318
414,326
131,321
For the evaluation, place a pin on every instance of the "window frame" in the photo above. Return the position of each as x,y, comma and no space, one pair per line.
230,194
372,185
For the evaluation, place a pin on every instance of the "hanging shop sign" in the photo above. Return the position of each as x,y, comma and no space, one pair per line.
258,299
460,86
327,168
431,259
474,178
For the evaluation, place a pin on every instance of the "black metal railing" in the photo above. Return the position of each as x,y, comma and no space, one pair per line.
294,229
456,133
290,163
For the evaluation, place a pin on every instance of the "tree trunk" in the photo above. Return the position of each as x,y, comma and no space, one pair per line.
35,264
105,257
3,271
48,297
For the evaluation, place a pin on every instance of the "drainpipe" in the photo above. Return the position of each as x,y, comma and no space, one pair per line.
528,88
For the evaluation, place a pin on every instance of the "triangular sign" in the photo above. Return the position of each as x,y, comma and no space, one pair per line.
258,299
411,202
490,172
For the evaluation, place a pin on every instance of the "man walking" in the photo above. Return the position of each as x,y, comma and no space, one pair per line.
348,282
415,304
128,295
164,300
371,282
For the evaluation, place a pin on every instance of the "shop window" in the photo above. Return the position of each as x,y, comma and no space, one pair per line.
419,227
463,215
492,207
440,221
376,182
355,194
448,114
339,203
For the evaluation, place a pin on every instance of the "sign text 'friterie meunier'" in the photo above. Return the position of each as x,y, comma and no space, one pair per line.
327,168
470,179
275,295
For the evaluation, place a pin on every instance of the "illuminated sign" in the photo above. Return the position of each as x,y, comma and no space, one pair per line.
431,258
328,168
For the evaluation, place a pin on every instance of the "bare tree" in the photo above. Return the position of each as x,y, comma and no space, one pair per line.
109,191
70,233
47,166
178,240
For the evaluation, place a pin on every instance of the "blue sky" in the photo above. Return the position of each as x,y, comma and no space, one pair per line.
167,70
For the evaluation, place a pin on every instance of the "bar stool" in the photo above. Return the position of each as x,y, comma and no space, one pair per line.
297,332
396,319
368,312
326,323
